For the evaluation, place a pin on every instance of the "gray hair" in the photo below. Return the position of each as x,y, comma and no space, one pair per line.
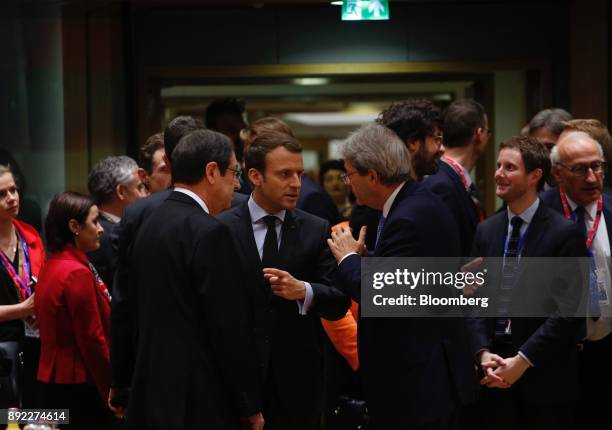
551,119
107,174
554,153
378,148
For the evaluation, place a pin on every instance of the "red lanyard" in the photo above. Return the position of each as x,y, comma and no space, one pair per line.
22,283
457,168
568,215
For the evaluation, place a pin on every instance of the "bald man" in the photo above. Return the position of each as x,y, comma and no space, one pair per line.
579,166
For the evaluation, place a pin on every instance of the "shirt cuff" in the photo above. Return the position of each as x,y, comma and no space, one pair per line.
342,259
304,305
525,358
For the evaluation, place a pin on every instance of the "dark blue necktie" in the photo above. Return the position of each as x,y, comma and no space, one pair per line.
502,324
270,255
379,229
594,310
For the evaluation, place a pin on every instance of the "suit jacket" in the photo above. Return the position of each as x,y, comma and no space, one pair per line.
447,184
548,342
194,353
289,344
552,199
73,312
415,370
104,258
124,305
314,200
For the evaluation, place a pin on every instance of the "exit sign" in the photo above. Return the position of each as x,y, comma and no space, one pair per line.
365,10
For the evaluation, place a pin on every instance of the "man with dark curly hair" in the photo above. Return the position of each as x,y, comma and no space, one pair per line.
417,123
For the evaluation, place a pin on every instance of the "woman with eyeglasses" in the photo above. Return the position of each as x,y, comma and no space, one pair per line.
22,256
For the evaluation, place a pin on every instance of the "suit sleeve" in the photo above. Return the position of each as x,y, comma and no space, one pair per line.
122,308
80,293
329,302
559,330
224,301
480,330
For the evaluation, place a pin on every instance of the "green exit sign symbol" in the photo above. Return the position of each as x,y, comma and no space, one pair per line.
365,10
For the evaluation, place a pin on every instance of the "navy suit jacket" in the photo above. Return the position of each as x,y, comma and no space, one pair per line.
552,199
104,258
314,200
548,342
447,184
415,370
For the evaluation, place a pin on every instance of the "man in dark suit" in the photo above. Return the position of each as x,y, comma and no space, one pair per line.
113,183
417,372
578,165
289,267
417,123
528,362
192,312
466,133
123,305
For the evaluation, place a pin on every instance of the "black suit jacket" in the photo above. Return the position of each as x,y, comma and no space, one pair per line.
447,184
289,344
549,342
123,330
104,258
314,200
194,354
415,370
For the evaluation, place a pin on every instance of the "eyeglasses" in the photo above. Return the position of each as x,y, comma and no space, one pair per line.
346,177
582,169
237,172
438,138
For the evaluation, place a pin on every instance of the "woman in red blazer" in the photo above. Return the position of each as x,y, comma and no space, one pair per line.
22,256
73,310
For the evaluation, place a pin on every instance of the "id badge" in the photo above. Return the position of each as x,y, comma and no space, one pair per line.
31,327
602,290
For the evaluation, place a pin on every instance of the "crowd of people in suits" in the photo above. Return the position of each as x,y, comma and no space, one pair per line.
214,285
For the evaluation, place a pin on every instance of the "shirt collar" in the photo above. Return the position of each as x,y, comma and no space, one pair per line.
391,199
527,214
257,213
114,219
466,173
194,196
590,209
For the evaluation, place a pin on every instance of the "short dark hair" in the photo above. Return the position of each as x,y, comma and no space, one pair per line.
266,142
151,146
412,119
64,207
176,129
551,119
218,107
535,155
330,165
195,151
460,120
268,123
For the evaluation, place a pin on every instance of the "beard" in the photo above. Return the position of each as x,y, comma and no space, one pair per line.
425,164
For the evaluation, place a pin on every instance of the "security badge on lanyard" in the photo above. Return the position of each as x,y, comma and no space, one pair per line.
601,267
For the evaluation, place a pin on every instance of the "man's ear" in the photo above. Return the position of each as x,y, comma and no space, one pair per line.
372,175
119,192
255,176
535,175
142,174
211,171
413,146
556,172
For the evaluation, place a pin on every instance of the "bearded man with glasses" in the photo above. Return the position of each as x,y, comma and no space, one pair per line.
579,169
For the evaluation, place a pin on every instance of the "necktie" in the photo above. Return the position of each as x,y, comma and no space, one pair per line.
270,253
379,228
594,310
502,324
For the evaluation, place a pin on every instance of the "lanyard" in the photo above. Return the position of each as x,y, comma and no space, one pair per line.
570,216
100,283
22,283
464,181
